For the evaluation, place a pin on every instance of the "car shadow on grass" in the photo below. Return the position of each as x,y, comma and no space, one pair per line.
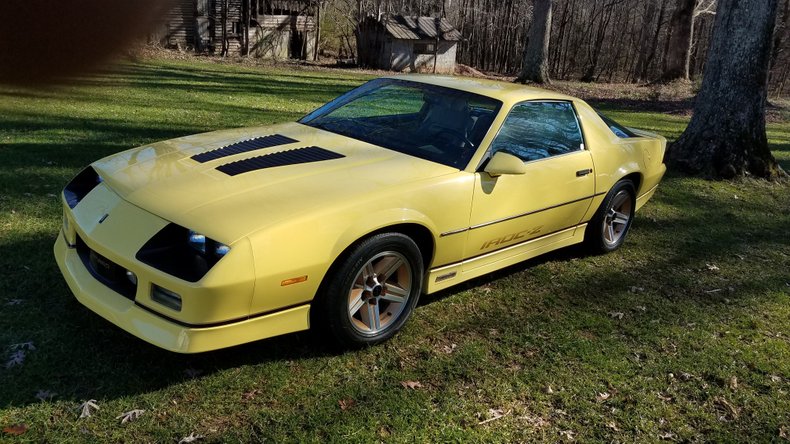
81,356
69,350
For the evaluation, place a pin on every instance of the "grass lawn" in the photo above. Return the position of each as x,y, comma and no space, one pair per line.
682,335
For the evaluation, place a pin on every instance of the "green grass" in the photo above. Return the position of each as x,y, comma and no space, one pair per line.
696,299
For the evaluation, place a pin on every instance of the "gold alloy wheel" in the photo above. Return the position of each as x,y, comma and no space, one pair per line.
617,217
380,292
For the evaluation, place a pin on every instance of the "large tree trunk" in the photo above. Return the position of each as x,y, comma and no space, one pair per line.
536,54
726,136
681,30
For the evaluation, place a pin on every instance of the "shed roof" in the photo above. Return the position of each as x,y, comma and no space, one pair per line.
420,28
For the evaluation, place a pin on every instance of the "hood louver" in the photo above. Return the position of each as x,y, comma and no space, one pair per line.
282,158
244,146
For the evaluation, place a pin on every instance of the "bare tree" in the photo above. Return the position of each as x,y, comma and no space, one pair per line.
536,54
726,136
681,30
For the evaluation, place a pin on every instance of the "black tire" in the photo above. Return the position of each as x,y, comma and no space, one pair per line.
622,200
331,311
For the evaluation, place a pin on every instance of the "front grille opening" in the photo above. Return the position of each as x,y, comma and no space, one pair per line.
107,272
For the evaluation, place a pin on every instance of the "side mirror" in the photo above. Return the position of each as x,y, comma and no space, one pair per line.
504,163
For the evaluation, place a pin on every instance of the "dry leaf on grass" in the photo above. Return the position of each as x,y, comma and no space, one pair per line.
733,411
249,395
663,397
601,397
493,415
616,314
667,436
45,395
346,404
87,407
16,358
23,346
191,438
16,429
568,434
414,385
613,425
129,416
734,383
448,349
784,432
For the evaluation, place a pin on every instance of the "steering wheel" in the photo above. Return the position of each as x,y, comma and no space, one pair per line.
455,138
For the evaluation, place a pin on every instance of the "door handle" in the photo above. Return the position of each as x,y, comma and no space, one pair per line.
581,173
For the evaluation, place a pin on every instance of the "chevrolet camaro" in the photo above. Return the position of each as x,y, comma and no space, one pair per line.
340,221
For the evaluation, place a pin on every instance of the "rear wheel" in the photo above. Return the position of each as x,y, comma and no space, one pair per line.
608,228
372,291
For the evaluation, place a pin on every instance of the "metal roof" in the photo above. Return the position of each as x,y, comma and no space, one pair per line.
420,28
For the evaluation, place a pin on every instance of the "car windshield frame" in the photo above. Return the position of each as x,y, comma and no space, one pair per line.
457,151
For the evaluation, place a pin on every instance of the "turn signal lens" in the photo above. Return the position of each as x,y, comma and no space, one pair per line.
166,297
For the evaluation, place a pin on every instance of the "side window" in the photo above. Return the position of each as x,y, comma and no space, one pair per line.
618,130
536,130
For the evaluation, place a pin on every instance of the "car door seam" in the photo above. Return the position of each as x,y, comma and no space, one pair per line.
508,218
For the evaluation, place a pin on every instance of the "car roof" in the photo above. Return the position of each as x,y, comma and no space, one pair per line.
504,91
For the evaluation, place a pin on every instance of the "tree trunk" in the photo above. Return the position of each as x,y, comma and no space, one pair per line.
644,41
536,66
681,28
224,19
726,136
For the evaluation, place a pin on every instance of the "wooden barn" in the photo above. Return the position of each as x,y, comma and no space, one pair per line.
277,29
408,44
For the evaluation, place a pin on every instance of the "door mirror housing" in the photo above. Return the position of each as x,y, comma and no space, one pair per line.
503,163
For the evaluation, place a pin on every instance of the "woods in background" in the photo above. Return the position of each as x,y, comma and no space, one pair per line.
590,40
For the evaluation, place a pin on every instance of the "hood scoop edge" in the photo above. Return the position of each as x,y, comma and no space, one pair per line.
281,158
244,146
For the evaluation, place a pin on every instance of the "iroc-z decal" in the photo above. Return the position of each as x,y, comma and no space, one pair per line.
511,237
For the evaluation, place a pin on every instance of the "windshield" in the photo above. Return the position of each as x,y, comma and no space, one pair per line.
439,124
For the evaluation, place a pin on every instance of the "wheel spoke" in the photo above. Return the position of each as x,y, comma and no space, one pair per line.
373,315
388,266
368,272
356,302
365,314
610,232
395,294
620,218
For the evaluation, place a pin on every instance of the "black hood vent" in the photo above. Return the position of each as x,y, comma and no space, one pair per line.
244,146
282,158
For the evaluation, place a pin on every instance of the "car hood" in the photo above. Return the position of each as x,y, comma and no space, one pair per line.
164,179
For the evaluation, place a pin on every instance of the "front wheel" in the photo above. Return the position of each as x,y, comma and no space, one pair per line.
372,291
608,228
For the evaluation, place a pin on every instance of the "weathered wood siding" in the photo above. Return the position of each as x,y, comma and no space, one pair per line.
198,25
274,37
404,59
177,26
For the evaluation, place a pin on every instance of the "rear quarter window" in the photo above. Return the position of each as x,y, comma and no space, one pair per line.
618,130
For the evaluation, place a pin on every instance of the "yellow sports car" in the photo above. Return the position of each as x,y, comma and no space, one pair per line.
403,186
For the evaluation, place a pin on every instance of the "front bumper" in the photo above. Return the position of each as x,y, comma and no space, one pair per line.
160,331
